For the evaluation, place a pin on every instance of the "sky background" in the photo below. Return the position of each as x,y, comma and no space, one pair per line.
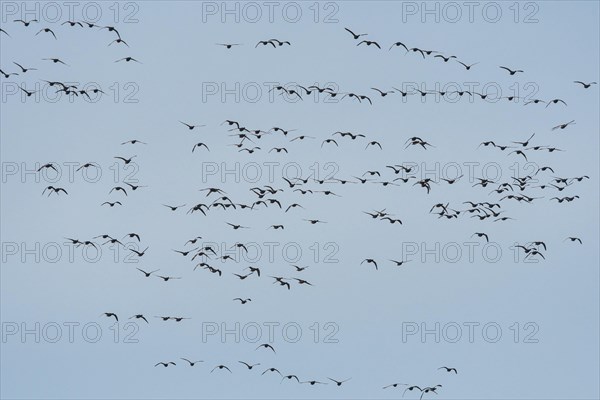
180,64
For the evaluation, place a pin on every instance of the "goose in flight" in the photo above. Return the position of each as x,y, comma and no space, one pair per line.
133,141
264,43
192,363
314,221
279,42
272,369
128,59
394,385
146,273
450,369
446,59
411,388
290,377
119,41
23,69
236,227
219,367
370,261
512,71
167,278
55,60
249,366
370,43
126,160
47,30
164,364
112,204
586,85
573,239
339,383
467,67
27,92
355,35
555,101
228,45
139,253
8,75
174,208
563,126
25,23
191,127
398,44
110,314
382,93
266,346
374,143
481,234
312,383
199,145
139,316
52,189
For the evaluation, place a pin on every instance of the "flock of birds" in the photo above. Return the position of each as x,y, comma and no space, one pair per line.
292,93
69,89
275,139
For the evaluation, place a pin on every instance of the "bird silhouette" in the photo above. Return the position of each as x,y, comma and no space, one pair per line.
354,35
370,261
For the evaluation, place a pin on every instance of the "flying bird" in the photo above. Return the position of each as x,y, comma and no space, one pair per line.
192,363
555,101
199,145
573,239
190,126
449,369
339,383
228,45
266,346
55,60
174,208
23,69
146,273
586,85
25,23
354,35
512,71
128,59
221,367
467,67
139,316
249,366
110,314
398,44
370,261
369,43
165,364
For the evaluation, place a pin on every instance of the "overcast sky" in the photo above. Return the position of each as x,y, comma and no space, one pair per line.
512,327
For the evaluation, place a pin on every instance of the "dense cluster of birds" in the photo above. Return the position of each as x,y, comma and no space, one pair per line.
274,139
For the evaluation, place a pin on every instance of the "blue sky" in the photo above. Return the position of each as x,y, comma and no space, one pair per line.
184,76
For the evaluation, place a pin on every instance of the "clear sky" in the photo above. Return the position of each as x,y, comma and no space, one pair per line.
527,329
